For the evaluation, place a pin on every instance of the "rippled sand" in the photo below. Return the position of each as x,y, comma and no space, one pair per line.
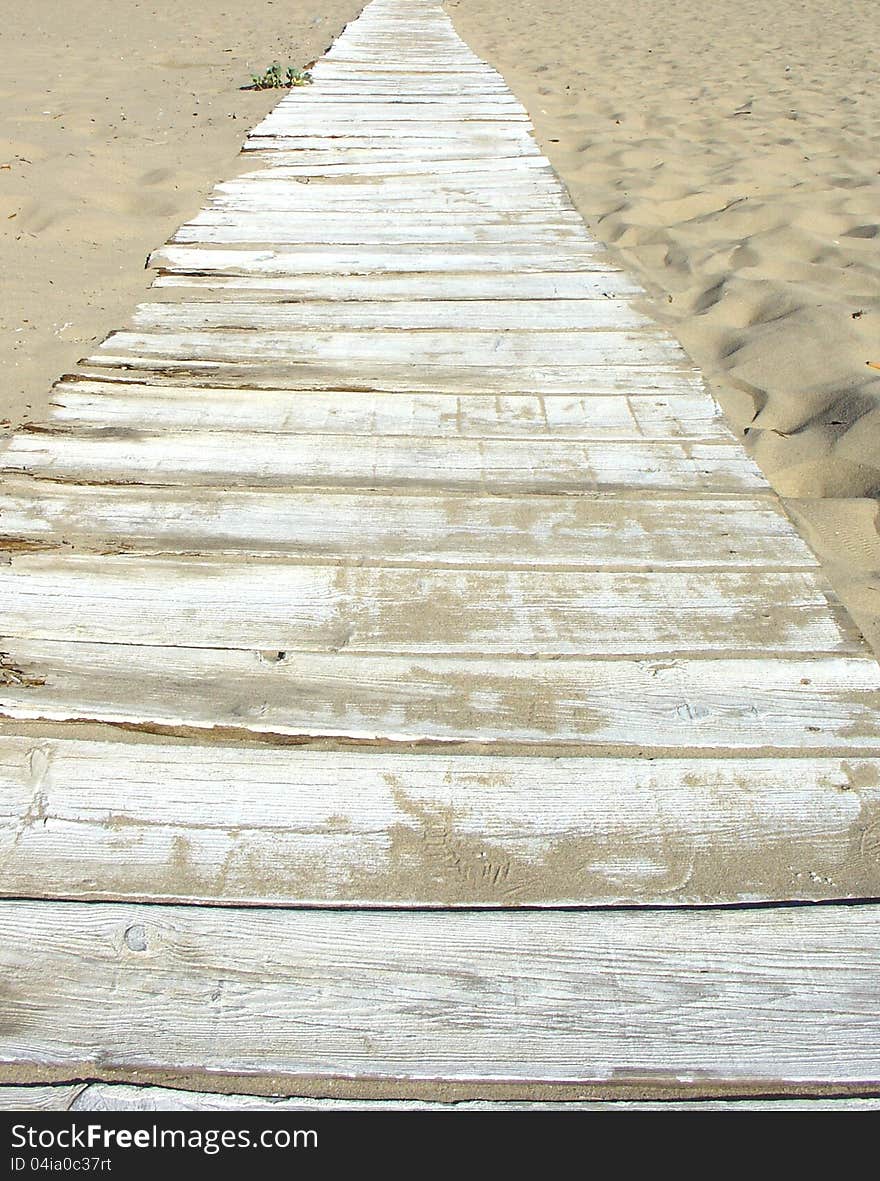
728,152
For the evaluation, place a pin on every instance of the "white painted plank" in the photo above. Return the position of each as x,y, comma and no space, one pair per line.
490,257
273,606
346,86
421,120
232,825
480,186
319,118
438,176
625,349
674,704
362,201
363,62
173,408
387,96
364,376
316,1003
258,460
627,532
392,146
374,190
221,227
360,164
57,1098
385,157
499,315
325,132
119,1097
562,285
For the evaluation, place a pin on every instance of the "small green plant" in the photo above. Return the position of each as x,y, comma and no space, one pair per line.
273,79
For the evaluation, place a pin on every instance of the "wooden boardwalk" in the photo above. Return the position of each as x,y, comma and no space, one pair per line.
405,670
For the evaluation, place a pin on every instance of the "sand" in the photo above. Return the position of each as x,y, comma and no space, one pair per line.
726,152
116,120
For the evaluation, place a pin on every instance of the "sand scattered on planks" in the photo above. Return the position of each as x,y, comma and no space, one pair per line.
729,161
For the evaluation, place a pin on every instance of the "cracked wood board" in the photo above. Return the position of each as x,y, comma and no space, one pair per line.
302,608
377,288
497,315
150,408
629,532
258,459
195,824
481,258
676,704
601,1003
119,1097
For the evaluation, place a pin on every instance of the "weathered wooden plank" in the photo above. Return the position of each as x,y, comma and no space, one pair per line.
358,163
409,193
363,62
391,146
256,459
406,258
317,118
232,825
563,285
119,1097
346,86
625,349
429,130
272,606
174,408
360,200
387,97
627,532
673,703
412,120
532,315
223,227
57,1098
470,178
595,1002
363,376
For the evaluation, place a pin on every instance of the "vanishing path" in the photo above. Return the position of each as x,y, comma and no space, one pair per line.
392,561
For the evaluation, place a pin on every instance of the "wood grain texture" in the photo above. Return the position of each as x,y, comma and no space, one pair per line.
253,605
666,703
631,532
58,1098
479,258
119,1097
206,458
425,596
604,1001
372,201
359,165
224,227
227,825
151,408
427,287
466,348
339,372
495,315
484,145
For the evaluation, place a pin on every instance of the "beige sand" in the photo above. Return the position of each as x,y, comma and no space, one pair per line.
726,150
116,119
